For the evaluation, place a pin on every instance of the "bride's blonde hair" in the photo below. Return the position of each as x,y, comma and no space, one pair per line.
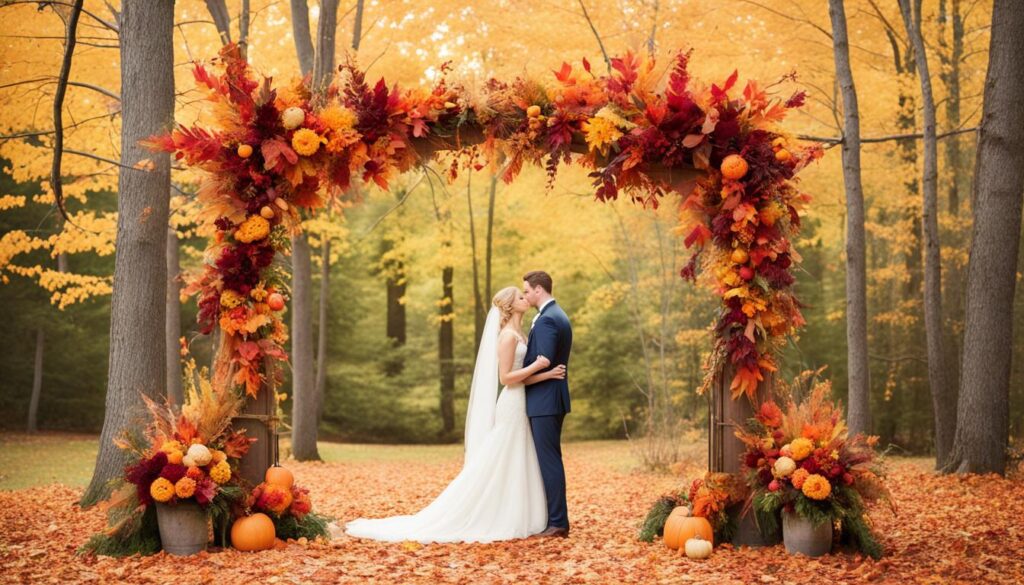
503,301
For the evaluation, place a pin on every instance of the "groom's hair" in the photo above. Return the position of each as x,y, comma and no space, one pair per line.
538,278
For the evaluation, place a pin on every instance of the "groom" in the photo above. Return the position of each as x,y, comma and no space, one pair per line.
547,402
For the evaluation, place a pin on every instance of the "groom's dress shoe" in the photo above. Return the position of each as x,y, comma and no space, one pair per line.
554,531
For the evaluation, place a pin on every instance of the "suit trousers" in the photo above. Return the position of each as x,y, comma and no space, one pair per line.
547,436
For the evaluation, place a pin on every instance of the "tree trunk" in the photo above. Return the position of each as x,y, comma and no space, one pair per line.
943,400
479,314
138,363
321,332
983,407
395,285
323,60
490,238
446,352
218,10
859,403
304,402
950,74
173,322
243,30
300,33
37,384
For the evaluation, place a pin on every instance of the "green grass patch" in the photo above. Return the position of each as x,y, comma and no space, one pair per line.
47,458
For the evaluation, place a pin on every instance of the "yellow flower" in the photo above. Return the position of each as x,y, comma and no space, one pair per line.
185,487
816,487
221,472
801,448
254,228
259,293
162,490
834,454
306,142
171,445
799,477
229,299
601,132
338,118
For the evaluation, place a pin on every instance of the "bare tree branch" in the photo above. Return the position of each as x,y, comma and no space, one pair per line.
58,109
600,43
106,24
806,21
839,140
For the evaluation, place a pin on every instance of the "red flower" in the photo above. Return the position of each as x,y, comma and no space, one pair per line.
172,472
770,415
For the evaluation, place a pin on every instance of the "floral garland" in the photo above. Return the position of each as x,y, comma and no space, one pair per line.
277,152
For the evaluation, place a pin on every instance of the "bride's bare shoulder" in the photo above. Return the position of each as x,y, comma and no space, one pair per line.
508,336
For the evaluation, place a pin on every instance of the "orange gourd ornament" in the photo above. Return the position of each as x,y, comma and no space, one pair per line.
251,533
734,167
279,476
681,527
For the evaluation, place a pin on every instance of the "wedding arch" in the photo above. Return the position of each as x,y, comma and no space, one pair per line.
278,153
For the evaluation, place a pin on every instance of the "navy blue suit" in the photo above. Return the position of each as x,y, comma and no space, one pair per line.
547,403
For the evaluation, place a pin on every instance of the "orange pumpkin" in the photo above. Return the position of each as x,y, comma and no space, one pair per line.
681,527
734,167
278,475
254,532
740,256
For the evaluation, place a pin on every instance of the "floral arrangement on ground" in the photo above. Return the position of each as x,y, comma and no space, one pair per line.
801,460
191,455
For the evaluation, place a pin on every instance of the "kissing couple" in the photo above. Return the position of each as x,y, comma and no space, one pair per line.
512,482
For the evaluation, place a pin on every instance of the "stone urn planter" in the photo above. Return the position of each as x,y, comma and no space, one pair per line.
184,528
801,536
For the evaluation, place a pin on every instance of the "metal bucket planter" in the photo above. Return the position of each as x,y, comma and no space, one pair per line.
184,528
801,536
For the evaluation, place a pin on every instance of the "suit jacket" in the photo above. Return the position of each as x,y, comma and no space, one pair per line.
551,337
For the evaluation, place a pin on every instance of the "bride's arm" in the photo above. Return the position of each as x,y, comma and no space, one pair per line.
507,356
557,372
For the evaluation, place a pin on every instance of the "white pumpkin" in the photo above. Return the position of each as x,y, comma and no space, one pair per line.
198,455
698,548
784,467
293,117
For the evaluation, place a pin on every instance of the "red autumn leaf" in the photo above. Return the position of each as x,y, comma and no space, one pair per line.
698,235
564,74
274,149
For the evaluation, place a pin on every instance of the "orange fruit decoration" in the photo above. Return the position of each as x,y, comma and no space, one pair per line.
278,475
276,303
244,150
740,256
251,533
734,167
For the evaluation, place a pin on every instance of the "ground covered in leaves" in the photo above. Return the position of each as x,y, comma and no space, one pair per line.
947,530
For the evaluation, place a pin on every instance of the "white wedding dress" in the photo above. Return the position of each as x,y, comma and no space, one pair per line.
498,495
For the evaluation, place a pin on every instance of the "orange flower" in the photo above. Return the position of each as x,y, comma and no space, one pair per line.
185,487
162,490
816,487
799,477
802,448
306,142
770,414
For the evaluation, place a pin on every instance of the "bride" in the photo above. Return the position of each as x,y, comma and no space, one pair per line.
499,494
